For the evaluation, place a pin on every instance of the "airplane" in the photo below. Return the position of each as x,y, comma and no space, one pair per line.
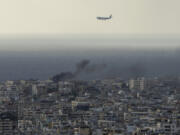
104,18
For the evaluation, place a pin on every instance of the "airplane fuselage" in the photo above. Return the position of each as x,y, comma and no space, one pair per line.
104,18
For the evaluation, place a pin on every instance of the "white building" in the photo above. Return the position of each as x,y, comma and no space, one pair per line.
34,90
137,84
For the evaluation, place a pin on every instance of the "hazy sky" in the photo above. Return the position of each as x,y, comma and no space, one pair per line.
79,17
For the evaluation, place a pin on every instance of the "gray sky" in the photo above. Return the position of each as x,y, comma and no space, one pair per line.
79,17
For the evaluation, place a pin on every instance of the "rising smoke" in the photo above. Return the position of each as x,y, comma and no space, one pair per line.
82,66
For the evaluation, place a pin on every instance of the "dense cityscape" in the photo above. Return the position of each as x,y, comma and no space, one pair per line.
90,67
114,106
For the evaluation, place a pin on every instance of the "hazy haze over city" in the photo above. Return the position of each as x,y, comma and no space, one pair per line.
89,67
40,38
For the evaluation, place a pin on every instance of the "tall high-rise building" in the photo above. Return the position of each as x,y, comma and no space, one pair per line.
137,84
34,90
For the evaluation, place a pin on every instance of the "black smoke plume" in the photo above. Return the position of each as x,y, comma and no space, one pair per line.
63,76
95,67
82,66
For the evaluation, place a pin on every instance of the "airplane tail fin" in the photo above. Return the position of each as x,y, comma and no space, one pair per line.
110,16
